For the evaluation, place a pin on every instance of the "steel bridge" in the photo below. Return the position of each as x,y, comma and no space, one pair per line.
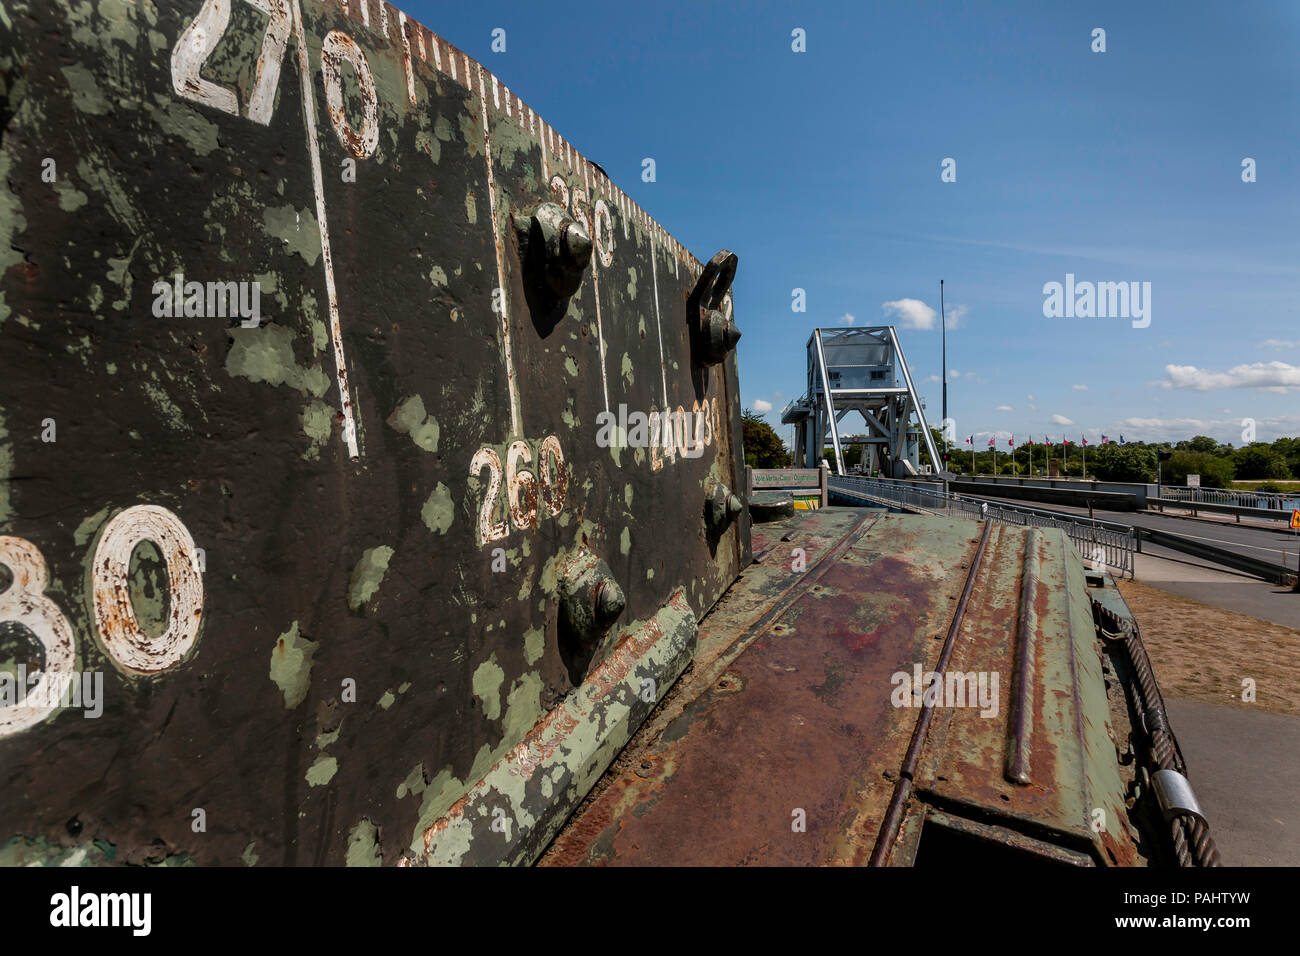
863,371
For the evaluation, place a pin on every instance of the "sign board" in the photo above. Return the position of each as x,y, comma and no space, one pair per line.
1193,481
786,478
1295,519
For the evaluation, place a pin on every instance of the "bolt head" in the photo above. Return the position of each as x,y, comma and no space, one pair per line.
610,602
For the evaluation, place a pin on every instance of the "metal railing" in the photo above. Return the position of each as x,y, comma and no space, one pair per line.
1241,499
1098,542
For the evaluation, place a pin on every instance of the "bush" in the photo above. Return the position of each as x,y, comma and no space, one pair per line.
763,447
1215,472
1260,461
1270,487
1124,463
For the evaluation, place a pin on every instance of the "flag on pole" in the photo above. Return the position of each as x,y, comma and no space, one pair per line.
1105,439
1011,442
1085,439
1121,439
970,440
990,442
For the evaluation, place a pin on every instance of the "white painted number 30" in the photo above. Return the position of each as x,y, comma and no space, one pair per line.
24,603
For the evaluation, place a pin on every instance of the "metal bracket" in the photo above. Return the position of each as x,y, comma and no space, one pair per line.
1174,794
715,334
555,251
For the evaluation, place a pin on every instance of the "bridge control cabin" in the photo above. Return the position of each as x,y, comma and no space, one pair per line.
860,371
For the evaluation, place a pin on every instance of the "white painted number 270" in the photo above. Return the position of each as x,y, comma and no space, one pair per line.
198,41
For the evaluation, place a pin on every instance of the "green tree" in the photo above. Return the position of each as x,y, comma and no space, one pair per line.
763,447
1215,472
1113,462
1259,460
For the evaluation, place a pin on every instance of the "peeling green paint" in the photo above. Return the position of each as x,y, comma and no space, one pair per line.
296,228
534,644
439,510
413,784
88,528
6,472
291,665
488,678
368,575
149,588
322,771
86,95
363,845
265,354
318,425
409,418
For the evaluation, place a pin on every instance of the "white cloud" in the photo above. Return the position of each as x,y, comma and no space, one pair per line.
1224,430
955,315
953,373
1272,376
1005,408
913,313
761,406
1061,420
847,318
1079,388
1031,398
933,378
1280,344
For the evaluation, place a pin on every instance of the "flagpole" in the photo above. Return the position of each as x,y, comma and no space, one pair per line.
1085,457
943,324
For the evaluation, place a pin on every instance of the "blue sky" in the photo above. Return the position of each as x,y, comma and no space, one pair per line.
821,170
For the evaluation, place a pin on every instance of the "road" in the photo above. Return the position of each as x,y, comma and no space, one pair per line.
1244,766
1260,543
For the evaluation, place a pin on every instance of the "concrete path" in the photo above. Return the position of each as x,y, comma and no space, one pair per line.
1244,766
1200,581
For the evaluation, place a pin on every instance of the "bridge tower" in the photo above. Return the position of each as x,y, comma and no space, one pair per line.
864,371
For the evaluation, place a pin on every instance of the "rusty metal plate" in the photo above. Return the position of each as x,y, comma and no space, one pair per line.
300,378
1069,791
787,753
